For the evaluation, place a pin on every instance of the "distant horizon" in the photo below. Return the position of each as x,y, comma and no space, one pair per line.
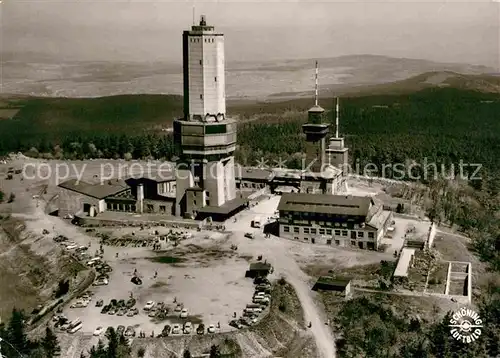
137,31
44,57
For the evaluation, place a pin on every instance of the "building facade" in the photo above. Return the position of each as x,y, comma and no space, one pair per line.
203,70
340,220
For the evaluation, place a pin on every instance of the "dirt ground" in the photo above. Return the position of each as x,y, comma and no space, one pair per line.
210,288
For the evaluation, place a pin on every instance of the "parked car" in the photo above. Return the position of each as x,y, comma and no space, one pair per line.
178,308
120,330
98,331
136,280
261,280
149,305
101,282
130,303
188,327
132,312
166,330
99,303
112,310
184,313
75,328
105,309
176,329
249,235
265,301
211,329
245,321
152,312
234,323
200,329
121,312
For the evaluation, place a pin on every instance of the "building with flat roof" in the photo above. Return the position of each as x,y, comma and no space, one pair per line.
341,220
404,263
340,285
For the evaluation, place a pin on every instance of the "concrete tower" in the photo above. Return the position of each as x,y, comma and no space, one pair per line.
206,138
337,153
316,131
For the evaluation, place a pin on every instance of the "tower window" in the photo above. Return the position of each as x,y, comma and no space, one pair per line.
201,62
215,78
201,96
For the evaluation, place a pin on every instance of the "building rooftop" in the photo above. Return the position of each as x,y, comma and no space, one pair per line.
378,217
316,109
404,262
225,208
98,191
331,284
258,266
327,204
336,281
253,173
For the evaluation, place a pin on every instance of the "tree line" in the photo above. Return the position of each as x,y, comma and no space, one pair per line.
434,126
15,342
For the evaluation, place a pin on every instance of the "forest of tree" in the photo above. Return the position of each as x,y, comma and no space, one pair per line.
15,342
372,329
441,126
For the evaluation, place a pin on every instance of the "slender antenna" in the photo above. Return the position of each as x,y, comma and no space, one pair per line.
193,14
337,118
316,87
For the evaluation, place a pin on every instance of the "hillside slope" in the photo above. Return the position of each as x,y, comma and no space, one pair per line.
485,83
30,267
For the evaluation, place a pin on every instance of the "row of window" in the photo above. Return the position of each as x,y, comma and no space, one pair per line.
314,231
360,244
250,185
323,215
197,40
120,207
330,223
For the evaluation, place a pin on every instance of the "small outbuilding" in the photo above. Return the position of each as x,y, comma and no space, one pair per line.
259,269
328,283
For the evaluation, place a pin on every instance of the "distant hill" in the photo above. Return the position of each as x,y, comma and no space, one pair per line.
30,117
39,76
485,83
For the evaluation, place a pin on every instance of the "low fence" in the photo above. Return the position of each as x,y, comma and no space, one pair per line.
136,222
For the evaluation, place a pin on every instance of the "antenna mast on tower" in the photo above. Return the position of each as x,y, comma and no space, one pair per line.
193,14
337,118
316,86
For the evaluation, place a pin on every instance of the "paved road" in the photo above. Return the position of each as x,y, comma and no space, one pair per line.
278,250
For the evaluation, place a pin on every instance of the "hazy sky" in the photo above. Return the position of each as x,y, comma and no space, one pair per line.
151,30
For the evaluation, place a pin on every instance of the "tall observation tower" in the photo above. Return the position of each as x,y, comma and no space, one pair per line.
205,178
316,131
